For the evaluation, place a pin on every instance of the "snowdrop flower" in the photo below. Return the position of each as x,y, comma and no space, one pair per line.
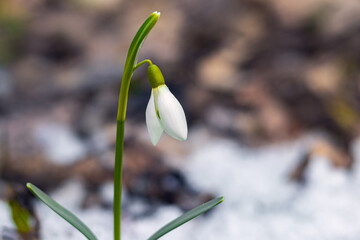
163,112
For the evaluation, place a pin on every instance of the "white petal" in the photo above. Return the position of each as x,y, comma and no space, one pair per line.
172,115
153,124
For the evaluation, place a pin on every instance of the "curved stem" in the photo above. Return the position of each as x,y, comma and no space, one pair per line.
129,68
142,63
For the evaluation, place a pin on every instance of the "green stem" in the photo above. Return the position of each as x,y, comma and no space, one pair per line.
142,63
130,66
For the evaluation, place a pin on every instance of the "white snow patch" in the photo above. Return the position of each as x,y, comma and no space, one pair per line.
59,143
260,201
5,216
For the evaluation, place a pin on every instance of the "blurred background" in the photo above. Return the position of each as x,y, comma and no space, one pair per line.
271,92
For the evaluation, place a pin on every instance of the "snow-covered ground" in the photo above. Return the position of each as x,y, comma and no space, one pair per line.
5,218
260,202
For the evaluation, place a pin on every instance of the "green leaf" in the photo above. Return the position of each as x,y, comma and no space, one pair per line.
62,212
186,217
20,216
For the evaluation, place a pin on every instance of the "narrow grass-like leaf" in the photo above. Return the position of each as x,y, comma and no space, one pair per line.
62,212
186,217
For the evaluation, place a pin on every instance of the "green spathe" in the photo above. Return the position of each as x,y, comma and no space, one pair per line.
155,76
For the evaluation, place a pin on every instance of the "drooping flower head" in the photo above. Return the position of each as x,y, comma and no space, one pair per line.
163,112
